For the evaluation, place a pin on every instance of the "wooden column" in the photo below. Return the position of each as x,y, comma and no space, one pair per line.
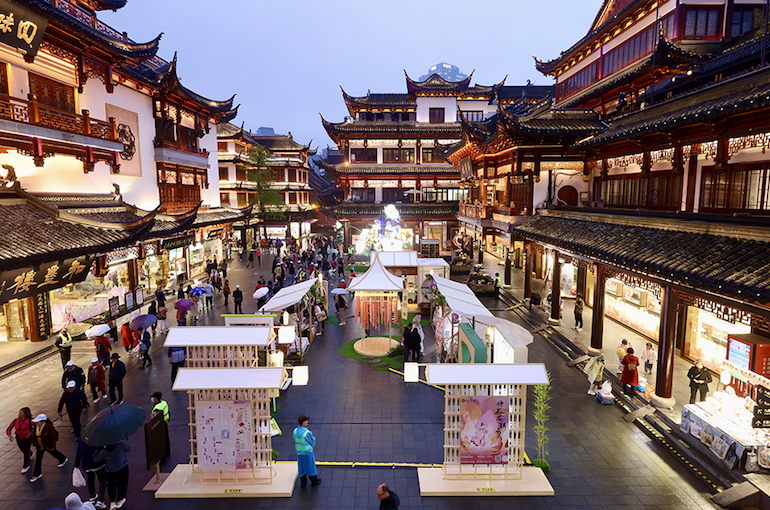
665,370
527,269
556,288
597,320
508,267
581,280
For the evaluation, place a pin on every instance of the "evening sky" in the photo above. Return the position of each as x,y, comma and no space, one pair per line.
286,59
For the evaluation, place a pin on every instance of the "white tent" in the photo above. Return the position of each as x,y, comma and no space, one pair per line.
216,335
395,258
376,279
288,296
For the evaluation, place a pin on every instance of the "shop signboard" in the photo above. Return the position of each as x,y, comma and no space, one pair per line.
178,242
225,434
32,280
129,297
154,440
139,296
484,432
114,303
20,28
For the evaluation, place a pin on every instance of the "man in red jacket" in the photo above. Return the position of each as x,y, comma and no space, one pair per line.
96,379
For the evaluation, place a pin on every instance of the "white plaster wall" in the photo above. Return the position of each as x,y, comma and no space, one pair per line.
424,104
574,179
482,106
540,190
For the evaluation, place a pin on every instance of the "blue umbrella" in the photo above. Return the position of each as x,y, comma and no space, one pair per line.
198,291
143,321
114,424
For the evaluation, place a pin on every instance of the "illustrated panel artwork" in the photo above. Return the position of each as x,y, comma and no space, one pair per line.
484,430
225,433
128,134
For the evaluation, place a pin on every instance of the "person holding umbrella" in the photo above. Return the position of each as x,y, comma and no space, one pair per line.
144,347
183,306
75,401
153,310
45,438
96,379
117,373
116,470
84,460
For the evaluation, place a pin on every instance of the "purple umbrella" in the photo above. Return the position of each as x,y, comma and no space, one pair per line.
143,321
184,304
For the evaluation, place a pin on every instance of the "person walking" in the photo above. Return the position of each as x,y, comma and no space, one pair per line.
304,441
342,308
630,375
116,471
153,310
181,318
73,373
93,470
578,312
595,371
103,348
497,285
251,259
238,299
621,353
418,327
209,294
176,357
388,499
223,265
161,297
44,439
115,381
649,357
259,256
128,338
161,406
64,343
96,380
226,290
180,293
23,429
144,347
163,318
700,377
75,401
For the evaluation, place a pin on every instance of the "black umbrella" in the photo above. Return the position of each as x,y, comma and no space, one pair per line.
114,424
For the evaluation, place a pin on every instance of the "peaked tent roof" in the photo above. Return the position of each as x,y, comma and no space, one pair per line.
376,279
288,296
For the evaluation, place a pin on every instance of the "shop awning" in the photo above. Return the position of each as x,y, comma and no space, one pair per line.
217,335
376,279
288,296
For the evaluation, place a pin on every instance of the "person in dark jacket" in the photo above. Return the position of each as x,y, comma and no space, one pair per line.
116,468
45,441
180,293
117,373
411,343
153,310
238,299
73,372
388,498
700,377
76,401
93,470
145,347
161,297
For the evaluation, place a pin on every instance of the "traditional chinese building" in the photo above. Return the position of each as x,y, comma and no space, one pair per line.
391,146
289,167
108,167
668,235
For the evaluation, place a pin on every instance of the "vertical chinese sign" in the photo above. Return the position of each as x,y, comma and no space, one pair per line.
225,433
484,430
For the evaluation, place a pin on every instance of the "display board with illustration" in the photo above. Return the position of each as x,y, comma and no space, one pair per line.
484,430
225,435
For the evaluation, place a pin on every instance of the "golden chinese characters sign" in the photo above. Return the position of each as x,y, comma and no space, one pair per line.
29,281
21,28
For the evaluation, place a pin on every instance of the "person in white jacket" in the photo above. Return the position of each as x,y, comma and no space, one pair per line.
416,322
649,358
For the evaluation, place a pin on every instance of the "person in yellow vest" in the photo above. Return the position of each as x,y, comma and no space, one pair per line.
304,441
161,406
64,343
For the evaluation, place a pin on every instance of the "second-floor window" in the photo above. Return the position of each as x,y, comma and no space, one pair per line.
629,51
740,188
398,155
224,198
292,175
392,194
222,146
224,174
474,116
578,81
52,93
702,22
444,194
432,155
436,115
744,19
363,155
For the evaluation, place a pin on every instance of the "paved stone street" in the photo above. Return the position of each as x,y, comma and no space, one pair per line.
363,415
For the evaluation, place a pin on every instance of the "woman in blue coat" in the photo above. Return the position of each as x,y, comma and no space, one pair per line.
304,441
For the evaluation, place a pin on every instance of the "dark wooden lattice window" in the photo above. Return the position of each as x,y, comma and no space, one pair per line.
52,93
3,78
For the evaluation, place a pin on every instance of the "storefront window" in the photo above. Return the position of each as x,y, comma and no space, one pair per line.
706,337
568,280
14,321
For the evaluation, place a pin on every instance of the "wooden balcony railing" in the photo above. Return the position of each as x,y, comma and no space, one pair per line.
481,212
178,146
30,111
178,196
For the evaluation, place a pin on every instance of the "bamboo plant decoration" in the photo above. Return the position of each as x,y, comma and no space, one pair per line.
542,394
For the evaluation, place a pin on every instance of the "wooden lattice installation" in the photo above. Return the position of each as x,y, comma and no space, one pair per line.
222,356
454,395
261,470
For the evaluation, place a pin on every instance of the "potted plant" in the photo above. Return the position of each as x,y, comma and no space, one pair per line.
542,393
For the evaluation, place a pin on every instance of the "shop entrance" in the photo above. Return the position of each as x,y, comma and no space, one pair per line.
15,321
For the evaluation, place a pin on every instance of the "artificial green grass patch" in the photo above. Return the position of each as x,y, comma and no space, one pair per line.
395,362
332,319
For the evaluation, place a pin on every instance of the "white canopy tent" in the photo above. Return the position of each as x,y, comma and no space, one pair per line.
215,335
288,296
